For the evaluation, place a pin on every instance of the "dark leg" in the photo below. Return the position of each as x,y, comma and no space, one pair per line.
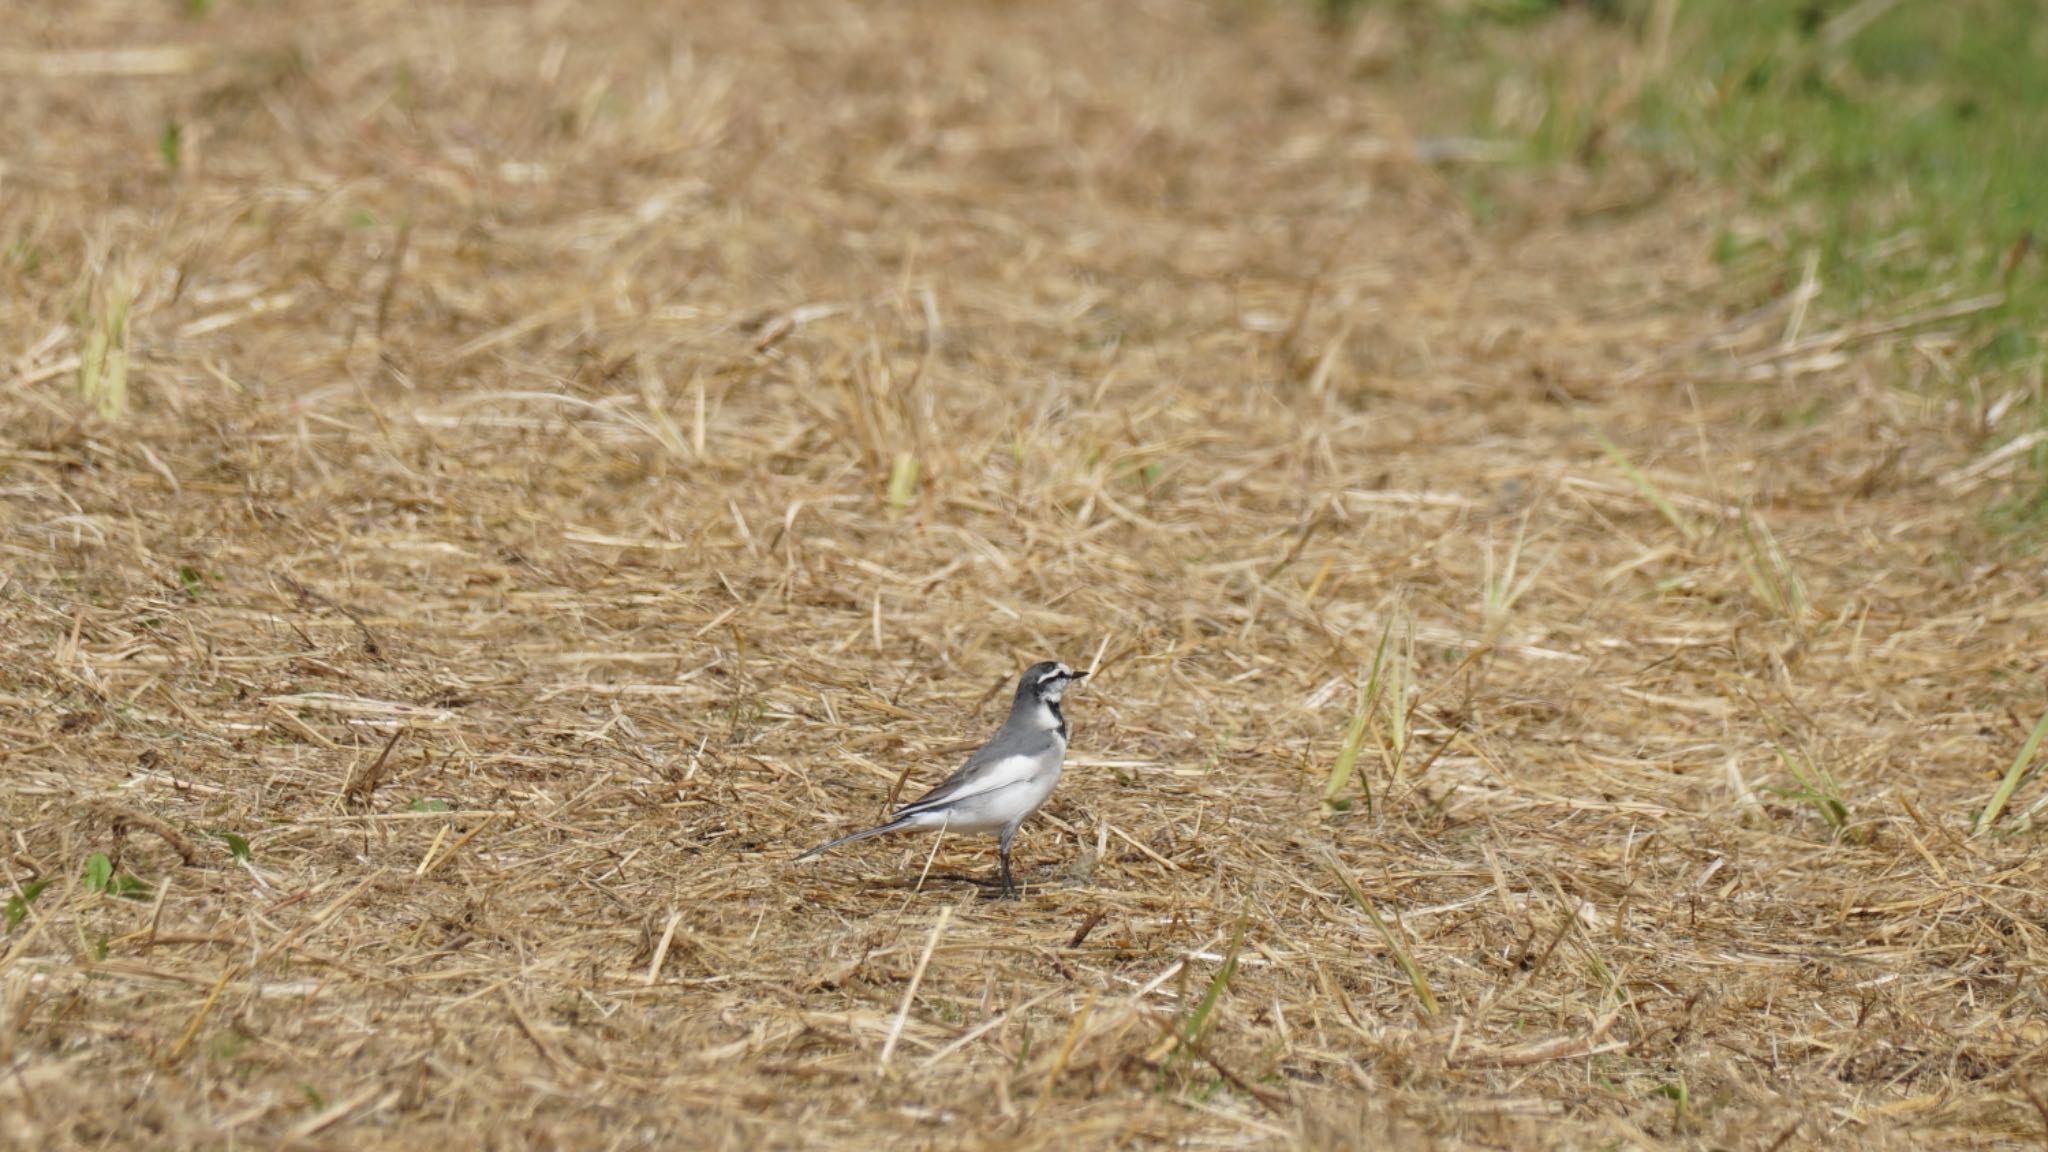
1003,854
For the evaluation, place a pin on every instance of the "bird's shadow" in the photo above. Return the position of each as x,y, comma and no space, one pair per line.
991,886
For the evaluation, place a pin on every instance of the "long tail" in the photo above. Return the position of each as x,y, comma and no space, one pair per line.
877,830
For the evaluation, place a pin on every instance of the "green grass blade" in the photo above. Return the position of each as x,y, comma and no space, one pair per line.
1197,1023
902,480
1417,979
1648,490
2004,791
1400,676
1354,737
1817,787
17,906
99,872
1772,579
103,358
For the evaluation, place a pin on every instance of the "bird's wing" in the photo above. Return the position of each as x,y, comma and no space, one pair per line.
984,772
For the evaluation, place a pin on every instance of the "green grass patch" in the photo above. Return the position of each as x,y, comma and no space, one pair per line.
1900,144
1909,139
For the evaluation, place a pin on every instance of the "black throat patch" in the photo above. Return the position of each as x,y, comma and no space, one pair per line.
1059,718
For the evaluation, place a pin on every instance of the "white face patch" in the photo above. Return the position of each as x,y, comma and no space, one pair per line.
1053,684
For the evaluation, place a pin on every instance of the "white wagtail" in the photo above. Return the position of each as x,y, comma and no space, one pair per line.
1002,783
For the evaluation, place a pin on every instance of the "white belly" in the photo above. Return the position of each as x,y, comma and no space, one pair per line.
997,808
988,815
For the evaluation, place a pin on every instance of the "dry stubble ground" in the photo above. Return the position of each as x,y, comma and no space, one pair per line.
526,382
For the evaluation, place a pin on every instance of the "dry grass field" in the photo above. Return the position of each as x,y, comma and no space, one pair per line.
484,485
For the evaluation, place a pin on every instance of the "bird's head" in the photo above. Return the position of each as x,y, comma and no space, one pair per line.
1047,680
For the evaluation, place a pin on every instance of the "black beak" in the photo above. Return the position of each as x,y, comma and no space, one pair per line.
1078,676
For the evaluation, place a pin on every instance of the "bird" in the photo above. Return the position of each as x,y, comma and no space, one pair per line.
1005,780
